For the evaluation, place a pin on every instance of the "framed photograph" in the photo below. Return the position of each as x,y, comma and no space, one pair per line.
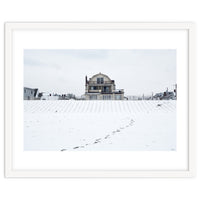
99,100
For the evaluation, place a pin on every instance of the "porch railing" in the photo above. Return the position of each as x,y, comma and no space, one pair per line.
100,83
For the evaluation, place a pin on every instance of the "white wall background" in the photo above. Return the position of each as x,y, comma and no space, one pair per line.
93,10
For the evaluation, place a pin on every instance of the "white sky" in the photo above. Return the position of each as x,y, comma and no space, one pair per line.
135,71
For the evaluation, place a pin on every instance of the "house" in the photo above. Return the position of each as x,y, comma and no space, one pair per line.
158,96
63,97
167,95
101,87
48,96
30,93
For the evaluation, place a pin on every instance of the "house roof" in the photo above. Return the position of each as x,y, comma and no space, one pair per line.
101,75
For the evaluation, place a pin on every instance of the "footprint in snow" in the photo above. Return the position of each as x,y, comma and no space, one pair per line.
97,141
114,132
63,150
107,136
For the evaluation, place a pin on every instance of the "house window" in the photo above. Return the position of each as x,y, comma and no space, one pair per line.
117,97
106,89
99,80
106,97
93,88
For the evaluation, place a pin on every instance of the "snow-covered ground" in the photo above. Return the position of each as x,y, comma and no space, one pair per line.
100,125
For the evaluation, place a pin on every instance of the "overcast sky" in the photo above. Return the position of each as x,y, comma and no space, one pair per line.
135,71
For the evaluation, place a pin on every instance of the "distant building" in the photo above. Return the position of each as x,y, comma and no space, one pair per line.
132,98
168,95
143,97
165,96
30,93
63,97
48,96
101,87
158,96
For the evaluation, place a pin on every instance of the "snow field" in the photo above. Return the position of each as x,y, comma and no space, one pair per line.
72,106
100,125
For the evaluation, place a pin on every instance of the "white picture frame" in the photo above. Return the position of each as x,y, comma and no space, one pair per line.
12,171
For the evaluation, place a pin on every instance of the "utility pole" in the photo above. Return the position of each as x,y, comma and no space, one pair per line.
175,90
